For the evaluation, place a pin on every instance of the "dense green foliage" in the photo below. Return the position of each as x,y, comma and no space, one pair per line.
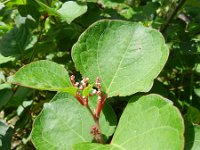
135,47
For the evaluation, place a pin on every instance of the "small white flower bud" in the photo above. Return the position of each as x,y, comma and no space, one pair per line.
81,87
76,84
94,91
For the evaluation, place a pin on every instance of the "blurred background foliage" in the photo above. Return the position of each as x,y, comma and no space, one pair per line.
31,30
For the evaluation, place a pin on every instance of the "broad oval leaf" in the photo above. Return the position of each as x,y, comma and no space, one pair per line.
126,56
148,122
43,75
64,122
71,10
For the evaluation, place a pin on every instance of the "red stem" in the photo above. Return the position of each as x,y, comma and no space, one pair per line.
100,139
100,105
96,120
79,98
84,101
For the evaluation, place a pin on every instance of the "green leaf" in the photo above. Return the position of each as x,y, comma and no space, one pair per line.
146,12
148,122
64,122
126,56
192,137
111,4
19,96
193,115
108,119
44,75
71,10
5,136
48,9
6,59
95,146
118,5
198,68
197,91
6,95
15,42
5,86
87,90
17,2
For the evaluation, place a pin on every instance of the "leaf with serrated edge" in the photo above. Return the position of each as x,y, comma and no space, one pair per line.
64,122
126,56
44,75
148,122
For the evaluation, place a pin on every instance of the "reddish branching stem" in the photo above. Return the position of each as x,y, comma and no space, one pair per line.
101,99
83,100
100,105
79,98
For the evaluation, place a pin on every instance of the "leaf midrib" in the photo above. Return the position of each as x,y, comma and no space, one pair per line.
119,65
